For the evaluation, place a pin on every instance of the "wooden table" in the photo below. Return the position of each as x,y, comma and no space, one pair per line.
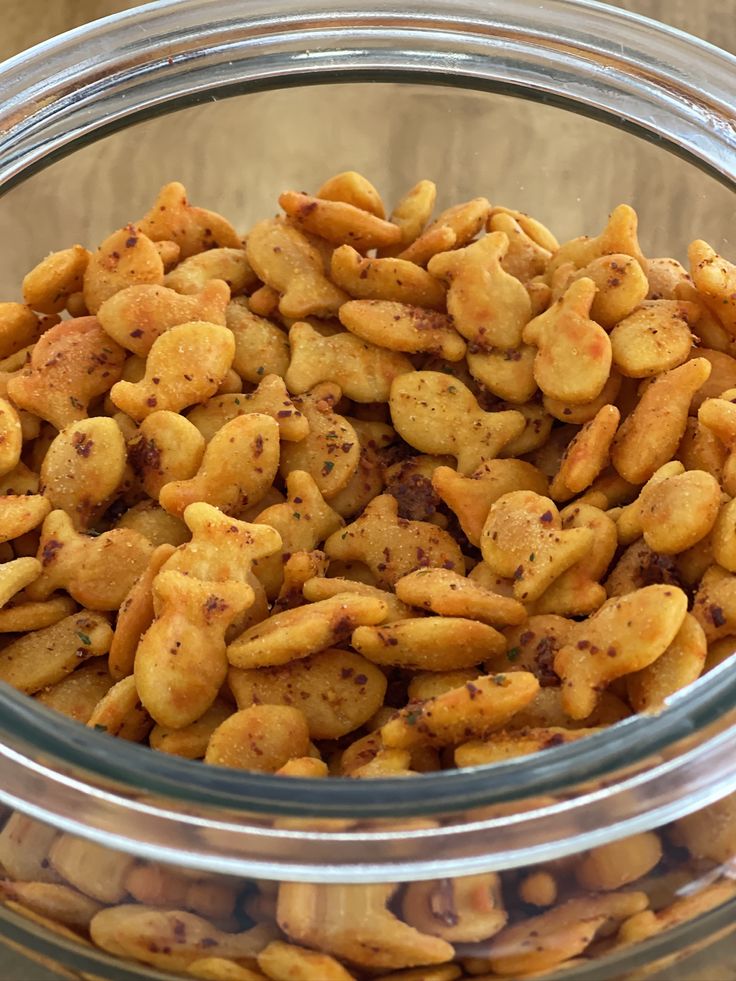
26,22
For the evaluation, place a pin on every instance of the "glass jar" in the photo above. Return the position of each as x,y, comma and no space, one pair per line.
564,109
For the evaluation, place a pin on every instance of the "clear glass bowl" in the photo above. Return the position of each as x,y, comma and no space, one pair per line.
563,109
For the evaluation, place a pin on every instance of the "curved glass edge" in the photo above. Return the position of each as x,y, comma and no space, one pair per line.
185,823
693,935
69,86
81,99
24,723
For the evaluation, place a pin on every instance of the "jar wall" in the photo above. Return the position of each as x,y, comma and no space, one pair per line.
640,905
625,912
567,170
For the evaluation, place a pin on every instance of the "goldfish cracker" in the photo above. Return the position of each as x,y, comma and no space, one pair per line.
538,889
708,833
15,575
680,665
559,933
190,741
120,713
622,287
192,228
475,902
537,428
137,315
450,594
229,266
191,617
77,695
701,449
714,606
72,364
620,236
221,547
715,278
507,374
236,469
125,258
587,454
303,631
583,412
11,437
532,645
135,616
338,221
385,279
169,252
626,634
502,746
665,275
170,939
363,371
578,590
353,188
401,326
155,524
330,453
19,327
428,643
355,685
25,616
438,414
573,357
261,737
471,497
654,338
270,398
319,588
83,468
525,258
629,517
97,572
429,684
411,214
55,902
619,863
185,365
489,307
473,710
649,437
167,447
353,922
303,521
261,348
679,511
722,376
523,539
299,568
391,546
454,227
42,658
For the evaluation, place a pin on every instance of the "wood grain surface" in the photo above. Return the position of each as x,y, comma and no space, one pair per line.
26,22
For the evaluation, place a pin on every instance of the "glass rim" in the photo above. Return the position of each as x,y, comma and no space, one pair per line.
634,740
71,90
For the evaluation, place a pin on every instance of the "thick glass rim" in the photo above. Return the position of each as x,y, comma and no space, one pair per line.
80,86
